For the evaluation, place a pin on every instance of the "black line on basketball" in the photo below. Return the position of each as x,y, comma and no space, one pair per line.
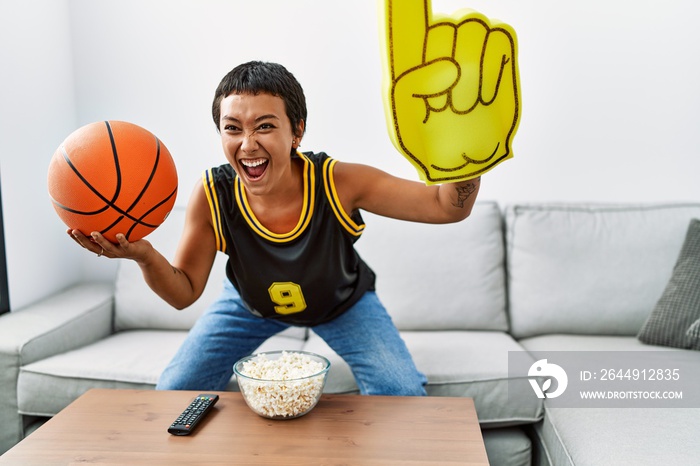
150,177
105,230
66,158
139,221
117,167
79,212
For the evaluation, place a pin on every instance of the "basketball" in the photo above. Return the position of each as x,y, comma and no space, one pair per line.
112,177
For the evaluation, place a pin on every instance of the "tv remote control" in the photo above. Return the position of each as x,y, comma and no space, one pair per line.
190,417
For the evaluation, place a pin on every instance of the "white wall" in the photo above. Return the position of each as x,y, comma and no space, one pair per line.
37,110
609,91
609,88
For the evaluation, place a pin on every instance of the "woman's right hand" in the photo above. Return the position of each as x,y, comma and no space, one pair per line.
123,249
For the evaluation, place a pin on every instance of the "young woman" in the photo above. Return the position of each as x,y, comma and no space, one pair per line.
288,221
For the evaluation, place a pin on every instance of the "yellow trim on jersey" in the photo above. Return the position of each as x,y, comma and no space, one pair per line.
213,199
332,194
306,209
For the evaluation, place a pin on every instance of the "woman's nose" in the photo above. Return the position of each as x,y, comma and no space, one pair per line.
250,143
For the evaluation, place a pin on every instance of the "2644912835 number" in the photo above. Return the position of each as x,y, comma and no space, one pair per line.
640,374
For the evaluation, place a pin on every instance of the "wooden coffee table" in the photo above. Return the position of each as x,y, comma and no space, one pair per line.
130,427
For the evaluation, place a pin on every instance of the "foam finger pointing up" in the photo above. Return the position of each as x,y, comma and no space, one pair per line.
407,23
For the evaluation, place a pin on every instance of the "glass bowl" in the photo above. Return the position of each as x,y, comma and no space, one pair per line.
282,384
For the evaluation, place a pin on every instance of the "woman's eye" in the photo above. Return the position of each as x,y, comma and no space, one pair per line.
230,128
265,126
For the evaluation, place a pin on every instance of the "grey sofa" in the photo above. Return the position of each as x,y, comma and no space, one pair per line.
515,279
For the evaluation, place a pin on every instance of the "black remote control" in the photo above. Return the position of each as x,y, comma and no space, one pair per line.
190,417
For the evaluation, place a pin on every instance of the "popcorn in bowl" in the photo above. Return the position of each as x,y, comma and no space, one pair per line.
282,384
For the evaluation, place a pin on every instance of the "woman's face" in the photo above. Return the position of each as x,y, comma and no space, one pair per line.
257,139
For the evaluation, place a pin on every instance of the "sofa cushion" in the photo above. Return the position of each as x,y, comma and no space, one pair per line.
622,436
678,309
456,363
130,359
634,436
509,446
440,277
590,269
125,360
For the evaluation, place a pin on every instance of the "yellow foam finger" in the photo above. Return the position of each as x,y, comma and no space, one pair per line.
451,89
406,24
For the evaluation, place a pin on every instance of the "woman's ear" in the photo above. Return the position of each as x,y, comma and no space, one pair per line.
298,135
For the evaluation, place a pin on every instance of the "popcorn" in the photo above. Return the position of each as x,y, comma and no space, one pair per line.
286,387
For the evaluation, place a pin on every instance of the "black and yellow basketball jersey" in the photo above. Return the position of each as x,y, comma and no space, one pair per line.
306,276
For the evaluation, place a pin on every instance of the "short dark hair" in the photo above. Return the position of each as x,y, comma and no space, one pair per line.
257,77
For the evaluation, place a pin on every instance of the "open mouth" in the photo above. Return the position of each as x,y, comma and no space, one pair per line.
254,168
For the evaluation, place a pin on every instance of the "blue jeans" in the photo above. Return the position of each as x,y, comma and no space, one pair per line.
364,336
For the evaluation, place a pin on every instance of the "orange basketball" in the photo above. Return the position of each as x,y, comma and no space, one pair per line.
112,177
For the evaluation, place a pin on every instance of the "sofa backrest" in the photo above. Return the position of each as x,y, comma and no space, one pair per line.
590,269
440,277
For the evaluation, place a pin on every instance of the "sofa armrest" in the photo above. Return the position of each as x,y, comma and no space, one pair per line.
72,318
